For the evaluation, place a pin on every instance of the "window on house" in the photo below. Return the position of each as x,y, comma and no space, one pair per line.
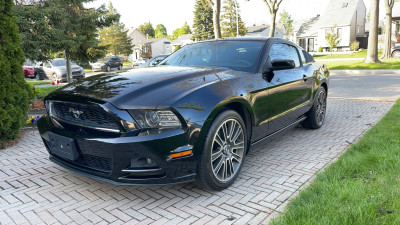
339,32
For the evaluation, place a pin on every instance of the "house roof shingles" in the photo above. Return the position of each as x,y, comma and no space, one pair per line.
339,13
309,28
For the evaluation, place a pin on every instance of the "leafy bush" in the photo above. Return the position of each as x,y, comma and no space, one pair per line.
177,48
320,49
15,93
354,46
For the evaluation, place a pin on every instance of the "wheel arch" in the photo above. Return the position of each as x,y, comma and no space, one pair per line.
239,105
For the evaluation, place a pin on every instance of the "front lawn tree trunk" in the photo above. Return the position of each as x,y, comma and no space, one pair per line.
372,52
272,26
216,18
273,7
69,71
388,30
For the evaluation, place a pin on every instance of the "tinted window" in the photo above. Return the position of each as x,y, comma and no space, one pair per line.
237,55
284,51
308,57
60,62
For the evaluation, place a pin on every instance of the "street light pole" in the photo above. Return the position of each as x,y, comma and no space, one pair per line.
237,18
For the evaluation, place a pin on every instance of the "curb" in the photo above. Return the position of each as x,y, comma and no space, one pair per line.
363,72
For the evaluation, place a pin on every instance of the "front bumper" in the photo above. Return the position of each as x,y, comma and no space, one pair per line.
75,76
109,158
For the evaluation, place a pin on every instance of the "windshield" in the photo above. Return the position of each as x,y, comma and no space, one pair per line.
237,55
60,62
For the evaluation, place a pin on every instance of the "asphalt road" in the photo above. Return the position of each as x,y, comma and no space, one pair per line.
374,87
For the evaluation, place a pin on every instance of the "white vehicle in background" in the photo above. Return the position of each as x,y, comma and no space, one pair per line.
139,61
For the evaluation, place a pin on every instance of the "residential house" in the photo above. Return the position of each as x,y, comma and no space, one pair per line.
182,41
396,20
155,46
262,31
307,35
137,37
347,16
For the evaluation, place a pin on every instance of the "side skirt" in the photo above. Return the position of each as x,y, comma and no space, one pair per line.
281,131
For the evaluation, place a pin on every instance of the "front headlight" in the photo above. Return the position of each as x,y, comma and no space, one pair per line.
159,119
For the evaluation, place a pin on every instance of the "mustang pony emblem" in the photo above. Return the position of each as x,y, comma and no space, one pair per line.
76,113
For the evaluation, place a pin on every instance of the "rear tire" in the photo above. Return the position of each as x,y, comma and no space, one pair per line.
396,54
316,115
223,152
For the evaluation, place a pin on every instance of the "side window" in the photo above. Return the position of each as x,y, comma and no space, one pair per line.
47,65
284,51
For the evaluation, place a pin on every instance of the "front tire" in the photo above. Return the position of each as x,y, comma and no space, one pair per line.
316,115
223,152
120,67
396,54
108,68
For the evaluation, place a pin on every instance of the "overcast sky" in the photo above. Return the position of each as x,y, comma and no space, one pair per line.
174,13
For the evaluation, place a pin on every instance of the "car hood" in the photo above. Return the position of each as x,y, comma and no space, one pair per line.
141,88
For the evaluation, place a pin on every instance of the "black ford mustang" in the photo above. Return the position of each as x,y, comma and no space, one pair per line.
194,117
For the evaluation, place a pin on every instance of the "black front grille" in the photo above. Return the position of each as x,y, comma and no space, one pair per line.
94,162
91,116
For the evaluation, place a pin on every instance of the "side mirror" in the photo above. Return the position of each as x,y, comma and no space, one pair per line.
156,62
282,64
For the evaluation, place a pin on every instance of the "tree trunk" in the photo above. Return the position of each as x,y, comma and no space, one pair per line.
388,32
69,71
216,18
372,53
272,26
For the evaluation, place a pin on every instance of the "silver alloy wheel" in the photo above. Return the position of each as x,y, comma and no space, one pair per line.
227,150
396,54
108,68
321,108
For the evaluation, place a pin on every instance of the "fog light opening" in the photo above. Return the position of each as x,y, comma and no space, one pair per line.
142,163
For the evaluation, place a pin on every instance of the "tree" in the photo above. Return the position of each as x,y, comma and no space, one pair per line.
147,29
115,37
15,93
332,38
203,22
286,21
372,52
185,29
230,19
388,29
160,31
273,7
216,6
50,26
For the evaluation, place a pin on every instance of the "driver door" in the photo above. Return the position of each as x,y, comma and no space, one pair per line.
289,92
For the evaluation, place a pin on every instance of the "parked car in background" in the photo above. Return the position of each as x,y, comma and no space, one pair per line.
33,71
396,52
153,61
139,61
194,118
29,71
56,69
107,64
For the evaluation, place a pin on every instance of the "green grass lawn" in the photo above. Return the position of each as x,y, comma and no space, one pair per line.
359,65
126,64
360,54
38,82
44,91
362,187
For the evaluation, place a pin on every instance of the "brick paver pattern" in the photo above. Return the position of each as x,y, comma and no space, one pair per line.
34,190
